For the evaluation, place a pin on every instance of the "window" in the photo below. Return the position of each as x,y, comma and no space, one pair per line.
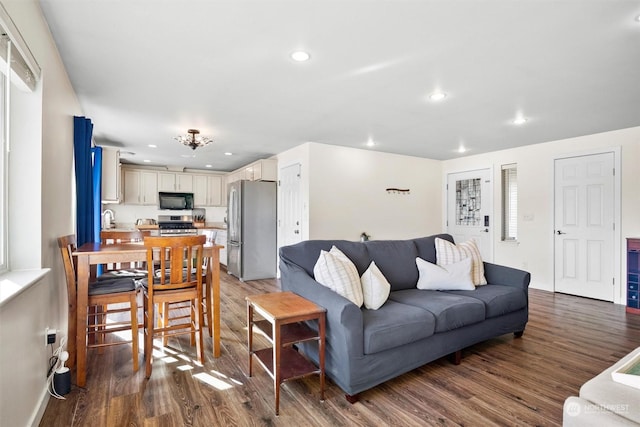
4,177
510,202
19,72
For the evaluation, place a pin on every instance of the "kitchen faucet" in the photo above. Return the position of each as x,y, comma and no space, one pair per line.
108,219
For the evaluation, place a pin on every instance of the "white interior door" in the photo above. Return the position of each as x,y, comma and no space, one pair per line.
584,226
470,208
290,206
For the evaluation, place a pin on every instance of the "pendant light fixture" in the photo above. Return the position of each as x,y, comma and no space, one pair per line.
193,139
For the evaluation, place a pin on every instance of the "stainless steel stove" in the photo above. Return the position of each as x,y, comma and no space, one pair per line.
176,225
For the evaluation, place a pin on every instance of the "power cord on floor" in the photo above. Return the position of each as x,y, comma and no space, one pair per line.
56,361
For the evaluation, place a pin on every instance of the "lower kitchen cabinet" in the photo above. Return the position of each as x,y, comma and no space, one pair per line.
221,239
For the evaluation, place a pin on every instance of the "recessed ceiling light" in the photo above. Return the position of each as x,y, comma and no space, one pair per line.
437,96
519,121
147,161
152,146
208,166
638,18
228,154
370,143
300,56
461,149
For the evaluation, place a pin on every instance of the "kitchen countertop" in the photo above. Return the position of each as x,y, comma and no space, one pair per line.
129,227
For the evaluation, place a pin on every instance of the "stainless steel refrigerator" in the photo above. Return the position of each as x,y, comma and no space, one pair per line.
251,230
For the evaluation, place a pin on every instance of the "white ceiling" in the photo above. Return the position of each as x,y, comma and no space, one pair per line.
146,71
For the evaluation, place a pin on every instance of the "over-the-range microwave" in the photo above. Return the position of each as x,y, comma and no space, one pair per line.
175,201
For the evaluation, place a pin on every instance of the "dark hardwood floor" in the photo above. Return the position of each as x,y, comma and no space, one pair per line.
504,381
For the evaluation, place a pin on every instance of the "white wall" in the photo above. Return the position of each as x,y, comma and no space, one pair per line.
44,163
344,193
535,198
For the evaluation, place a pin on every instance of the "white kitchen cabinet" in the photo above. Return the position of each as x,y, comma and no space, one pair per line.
140,187
264,170
184,182
221,239
110,175
261,170
171,181
166,181
207,190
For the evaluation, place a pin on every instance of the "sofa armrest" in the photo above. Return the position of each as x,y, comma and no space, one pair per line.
502,275
344,321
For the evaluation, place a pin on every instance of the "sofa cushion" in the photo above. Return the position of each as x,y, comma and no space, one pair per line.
498,299
445,277
451,311
335,271
306,253
448,253
395,324
375,287
427,248
396,259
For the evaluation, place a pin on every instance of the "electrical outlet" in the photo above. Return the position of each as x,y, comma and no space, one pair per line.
50,336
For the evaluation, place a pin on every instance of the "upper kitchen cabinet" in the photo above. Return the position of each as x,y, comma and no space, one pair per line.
140,187
110,175
261,170
208,190
171,181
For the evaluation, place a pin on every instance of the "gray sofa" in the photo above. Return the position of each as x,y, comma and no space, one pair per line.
364,347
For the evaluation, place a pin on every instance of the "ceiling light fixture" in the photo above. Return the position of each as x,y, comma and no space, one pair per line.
437,96
300,56
193,139
370,143
228,153
519,121
152,146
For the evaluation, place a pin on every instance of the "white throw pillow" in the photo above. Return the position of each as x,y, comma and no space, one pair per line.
336,271
448,253
375,287
450,277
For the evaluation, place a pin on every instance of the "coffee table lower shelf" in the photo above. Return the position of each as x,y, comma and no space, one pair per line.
293,365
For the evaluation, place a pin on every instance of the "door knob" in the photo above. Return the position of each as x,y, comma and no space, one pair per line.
486,230
559,232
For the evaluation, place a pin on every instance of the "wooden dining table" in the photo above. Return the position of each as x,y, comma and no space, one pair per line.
99,253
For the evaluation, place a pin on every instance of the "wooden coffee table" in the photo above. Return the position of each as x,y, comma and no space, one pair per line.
282,316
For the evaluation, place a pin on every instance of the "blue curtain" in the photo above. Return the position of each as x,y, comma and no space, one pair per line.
87,190
97,192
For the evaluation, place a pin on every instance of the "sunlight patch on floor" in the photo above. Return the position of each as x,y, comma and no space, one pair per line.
184,368
212,381
221,375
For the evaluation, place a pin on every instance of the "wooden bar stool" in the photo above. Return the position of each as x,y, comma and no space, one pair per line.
102,294
177,278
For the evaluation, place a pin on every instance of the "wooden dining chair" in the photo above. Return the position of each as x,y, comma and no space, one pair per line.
206,286
106,297
137,270
174,266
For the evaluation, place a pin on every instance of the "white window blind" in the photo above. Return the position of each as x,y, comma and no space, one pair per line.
25,71
509,202
18,70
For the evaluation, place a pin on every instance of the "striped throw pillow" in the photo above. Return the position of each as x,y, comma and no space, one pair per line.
449,253
335,270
